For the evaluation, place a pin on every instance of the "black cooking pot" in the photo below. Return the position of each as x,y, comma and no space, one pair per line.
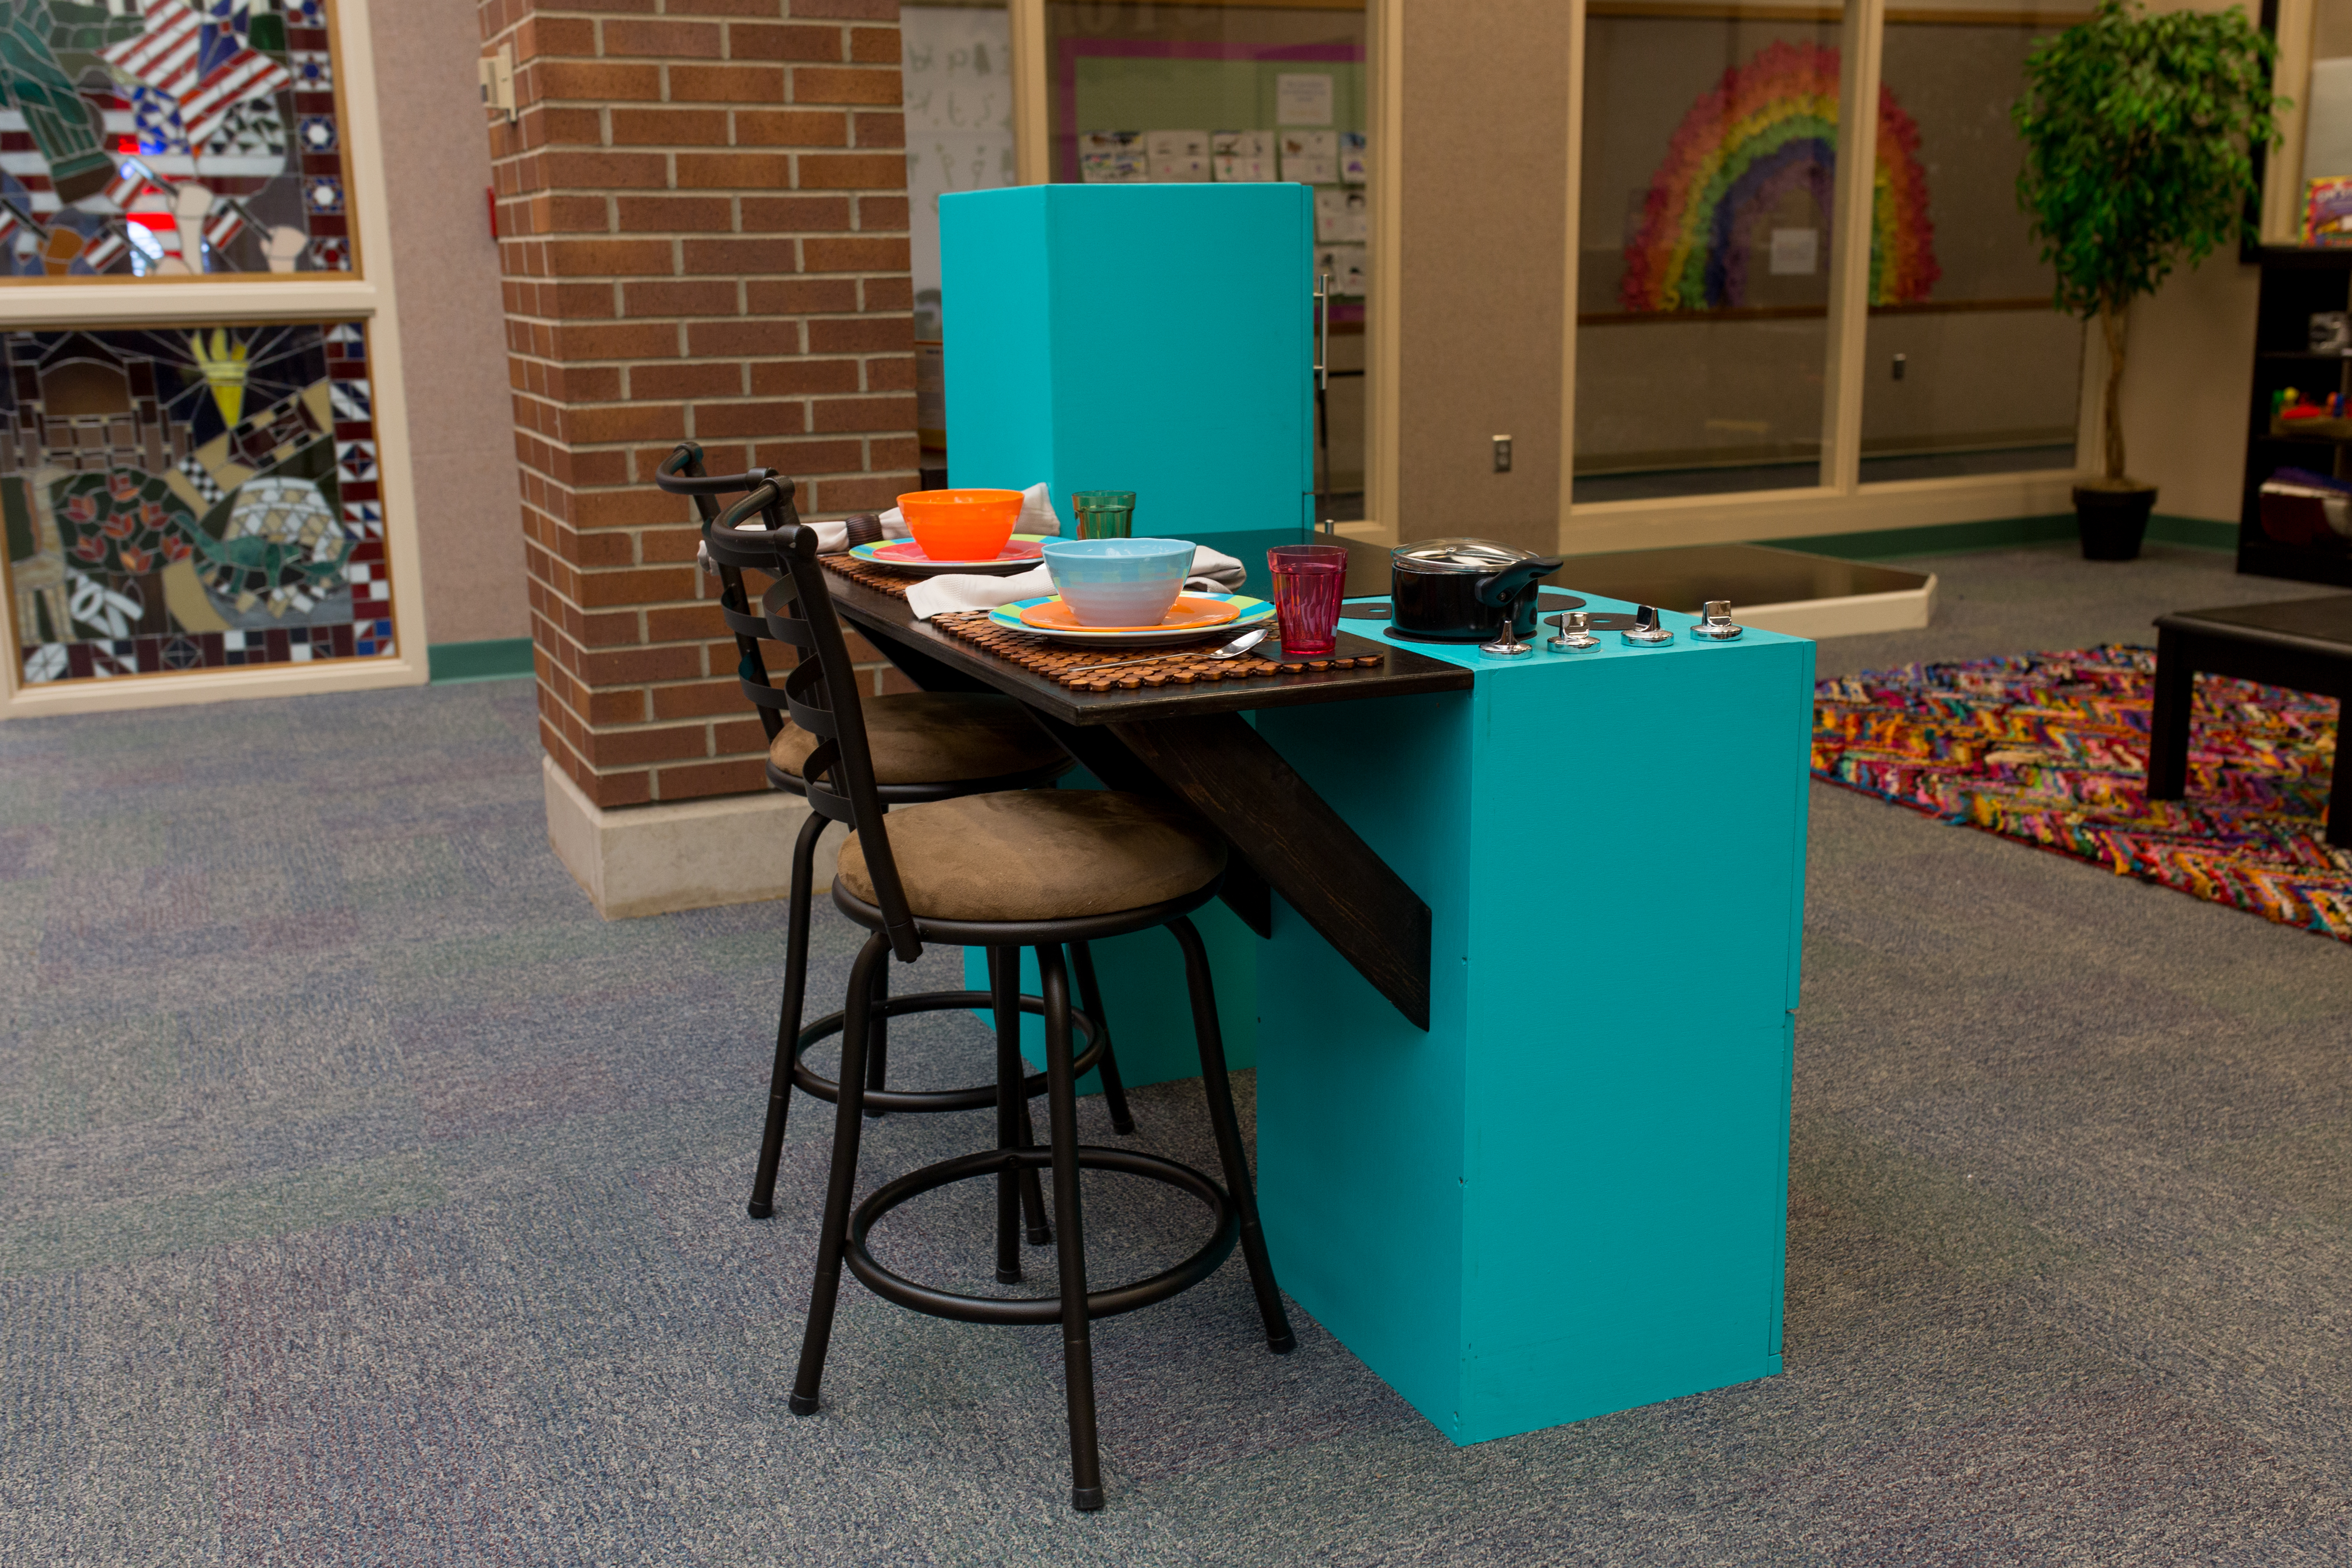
1464,590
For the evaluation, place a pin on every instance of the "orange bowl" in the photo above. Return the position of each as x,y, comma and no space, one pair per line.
961,525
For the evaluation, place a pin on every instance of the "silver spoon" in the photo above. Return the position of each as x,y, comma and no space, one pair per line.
1234,649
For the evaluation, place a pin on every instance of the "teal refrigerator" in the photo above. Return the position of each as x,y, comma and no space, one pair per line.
1159,339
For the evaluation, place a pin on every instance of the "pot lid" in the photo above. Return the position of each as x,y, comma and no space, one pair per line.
1479,555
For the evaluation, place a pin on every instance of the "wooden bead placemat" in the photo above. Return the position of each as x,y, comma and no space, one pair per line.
880,579
1183,667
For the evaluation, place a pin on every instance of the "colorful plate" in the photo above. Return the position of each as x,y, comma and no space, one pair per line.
1021,553
1248,612
1190,613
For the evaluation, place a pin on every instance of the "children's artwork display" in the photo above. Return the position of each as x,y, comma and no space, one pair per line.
1769,128
185,499
2327,211
1114,158
168,138
1311,157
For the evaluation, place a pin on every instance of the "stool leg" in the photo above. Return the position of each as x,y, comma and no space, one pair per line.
1024,1131
1033,1196
1279,1337
847,1115
788,1016
1090,997
878,1046
1078,1342
1005,992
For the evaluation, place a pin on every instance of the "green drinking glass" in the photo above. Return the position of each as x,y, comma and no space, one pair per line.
1104,514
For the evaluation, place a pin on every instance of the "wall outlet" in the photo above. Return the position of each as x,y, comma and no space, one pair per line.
1502,454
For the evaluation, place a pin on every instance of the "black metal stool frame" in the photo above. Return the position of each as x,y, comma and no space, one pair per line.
842,758
681,473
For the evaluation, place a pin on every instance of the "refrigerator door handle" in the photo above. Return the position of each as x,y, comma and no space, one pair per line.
1322,331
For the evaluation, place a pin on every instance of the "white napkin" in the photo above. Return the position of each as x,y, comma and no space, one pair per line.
1213,573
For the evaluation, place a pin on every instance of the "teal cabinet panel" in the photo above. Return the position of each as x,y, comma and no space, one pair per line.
1152,338
997,350
1360,1116
1611,844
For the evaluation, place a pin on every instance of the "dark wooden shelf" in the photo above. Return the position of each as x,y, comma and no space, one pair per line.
2297,284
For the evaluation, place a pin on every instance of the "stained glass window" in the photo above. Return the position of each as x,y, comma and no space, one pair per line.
191,498
168,138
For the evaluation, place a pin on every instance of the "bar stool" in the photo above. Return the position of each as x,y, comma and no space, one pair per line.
1019,869
929,746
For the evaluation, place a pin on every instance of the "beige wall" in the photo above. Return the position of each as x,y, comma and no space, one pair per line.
1485,194
2189,372
453,330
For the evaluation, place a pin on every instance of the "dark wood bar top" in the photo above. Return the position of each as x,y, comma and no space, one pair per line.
1402,673
1190,742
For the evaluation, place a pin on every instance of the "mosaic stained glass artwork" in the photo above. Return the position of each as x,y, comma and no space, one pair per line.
165,138
182,498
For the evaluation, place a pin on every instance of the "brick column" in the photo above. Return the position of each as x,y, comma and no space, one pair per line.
702,221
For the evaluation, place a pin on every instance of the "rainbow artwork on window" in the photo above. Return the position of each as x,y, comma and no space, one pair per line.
1769,128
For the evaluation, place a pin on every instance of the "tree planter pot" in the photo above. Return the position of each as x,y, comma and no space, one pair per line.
2112,523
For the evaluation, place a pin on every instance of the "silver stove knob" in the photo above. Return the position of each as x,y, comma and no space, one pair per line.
1575,633
1716,624
1648,630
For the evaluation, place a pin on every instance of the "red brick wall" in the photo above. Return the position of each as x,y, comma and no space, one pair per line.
702,220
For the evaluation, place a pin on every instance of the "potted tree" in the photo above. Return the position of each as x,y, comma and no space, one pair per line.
2138,132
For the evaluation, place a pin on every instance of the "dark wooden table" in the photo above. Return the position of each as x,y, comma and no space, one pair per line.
1191,743
2304,645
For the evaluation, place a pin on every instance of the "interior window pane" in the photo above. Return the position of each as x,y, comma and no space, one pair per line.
1975,372
957,84
1710,143
1153,92
2327,102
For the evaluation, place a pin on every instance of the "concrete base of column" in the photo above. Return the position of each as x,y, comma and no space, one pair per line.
651,859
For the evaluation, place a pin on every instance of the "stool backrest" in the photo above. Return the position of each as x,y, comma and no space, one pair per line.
820,692
681,474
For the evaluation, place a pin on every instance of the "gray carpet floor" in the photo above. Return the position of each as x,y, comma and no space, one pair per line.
365,1199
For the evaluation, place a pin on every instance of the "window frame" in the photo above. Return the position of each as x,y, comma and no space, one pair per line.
251,299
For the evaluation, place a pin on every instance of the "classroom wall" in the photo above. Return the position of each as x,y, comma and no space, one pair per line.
453,330
1484,199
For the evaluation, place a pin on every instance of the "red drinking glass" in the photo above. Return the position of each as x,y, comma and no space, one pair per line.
1307,580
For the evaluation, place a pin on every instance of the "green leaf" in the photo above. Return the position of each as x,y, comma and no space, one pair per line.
2138,132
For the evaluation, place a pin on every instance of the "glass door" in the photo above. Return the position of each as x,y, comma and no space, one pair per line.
1969,369
1710,150
956,80
1148,93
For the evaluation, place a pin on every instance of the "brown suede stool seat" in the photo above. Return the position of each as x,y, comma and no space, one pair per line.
936,737
1040,855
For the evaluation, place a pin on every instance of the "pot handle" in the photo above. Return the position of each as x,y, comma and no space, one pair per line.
1504,585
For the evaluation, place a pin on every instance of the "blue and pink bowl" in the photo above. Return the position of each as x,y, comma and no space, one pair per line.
1118,581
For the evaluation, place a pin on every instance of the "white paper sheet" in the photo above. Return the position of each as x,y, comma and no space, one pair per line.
1302,99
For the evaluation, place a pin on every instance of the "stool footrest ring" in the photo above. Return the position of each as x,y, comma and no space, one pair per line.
980,1097
1037,1310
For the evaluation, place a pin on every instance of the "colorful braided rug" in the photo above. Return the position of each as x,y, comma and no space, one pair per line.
2051,748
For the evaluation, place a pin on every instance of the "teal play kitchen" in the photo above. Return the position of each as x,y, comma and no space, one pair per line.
1529,1167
